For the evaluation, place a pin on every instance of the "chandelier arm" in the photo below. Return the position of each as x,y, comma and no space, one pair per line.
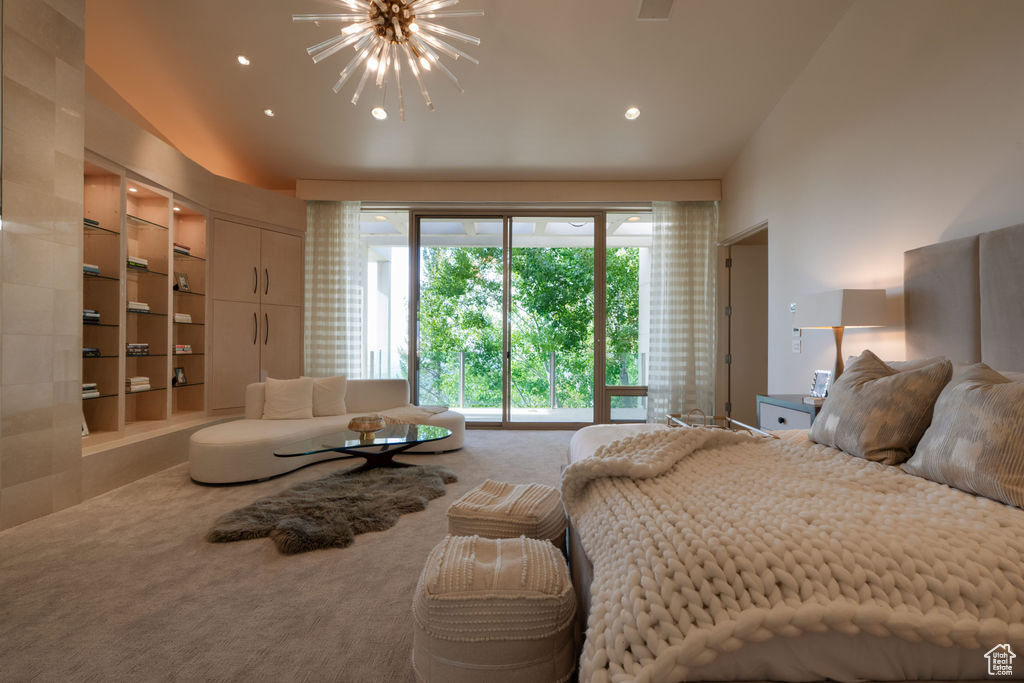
448,48
456,13
451,33
416,73
350,69
332,45
358,5
328,17
450,75
398,80
431,5
362,82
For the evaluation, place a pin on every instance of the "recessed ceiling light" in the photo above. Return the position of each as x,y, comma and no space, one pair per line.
379,113
243,60
133,189
632,113
381,218
633,219
177,208
269,113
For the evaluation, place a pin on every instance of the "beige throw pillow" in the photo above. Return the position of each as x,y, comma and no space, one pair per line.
878,413
976,440
329,396
288,399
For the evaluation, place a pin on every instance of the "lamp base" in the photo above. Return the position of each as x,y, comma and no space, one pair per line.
840,366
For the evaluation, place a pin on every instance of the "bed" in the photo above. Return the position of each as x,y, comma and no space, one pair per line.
806,563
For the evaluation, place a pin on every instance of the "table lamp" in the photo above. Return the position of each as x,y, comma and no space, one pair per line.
841,309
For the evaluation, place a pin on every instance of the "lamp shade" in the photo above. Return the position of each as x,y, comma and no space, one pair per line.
843,308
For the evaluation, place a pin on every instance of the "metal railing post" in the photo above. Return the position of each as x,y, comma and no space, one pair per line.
462,379
552,393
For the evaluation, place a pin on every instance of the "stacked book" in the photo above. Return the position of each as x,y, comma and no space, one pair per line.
182,317
91,222
136,384
90,316
138,307
90,352
90,390
180,248
138,349
182,349
138,262
90,269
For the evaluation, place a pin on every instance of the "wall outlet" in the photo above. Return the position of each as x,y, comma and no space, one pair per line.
797,342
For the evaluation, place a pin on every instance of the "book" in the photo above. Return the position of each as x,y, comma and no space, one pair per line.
138,262
91,221
90,352
88,385
182,249
90,268
136,388
138,307
93,393
813,400
182,349
182,317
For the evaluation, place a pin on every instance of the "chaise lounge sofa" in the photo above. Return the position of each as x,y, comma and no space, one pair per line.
243,450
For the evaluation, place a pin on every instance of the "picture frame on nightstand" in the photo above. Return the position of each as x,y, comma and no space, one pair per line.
820,384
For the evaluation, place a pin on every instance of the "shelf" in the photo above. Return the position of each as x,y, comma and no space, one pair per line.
179,355
164,315
144,271
96,398
97,357
95,276
195,324
147,391
190,384
85,324
148,355
97,230
187,257
178,291
143,223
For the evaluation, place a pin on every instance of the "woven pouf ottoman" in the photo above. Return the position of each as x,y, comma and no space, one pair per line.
495,610
495,509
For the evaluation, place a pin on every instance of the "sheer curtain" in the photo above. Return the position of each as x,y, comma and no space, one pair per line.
334,290
681,374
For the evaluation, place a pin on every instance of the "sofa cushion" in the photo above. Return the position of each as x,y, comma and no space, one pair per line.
288,399
329,396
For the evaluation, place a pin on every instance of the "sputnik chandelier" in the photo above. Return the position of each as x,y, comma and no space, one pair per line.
383,33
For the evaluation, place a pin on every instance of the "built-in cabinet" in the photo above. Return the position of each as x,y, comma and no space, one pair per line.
257,290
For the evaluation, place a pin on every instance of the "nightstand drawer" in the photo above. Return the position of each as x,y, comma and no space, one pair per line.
776,417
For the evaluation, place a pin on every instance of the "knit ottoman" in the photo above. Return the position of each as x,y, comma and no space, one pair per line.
498,510
495,610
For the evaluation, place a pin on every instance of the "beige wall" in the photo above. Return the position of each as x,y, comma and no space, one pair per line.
40,401
905,129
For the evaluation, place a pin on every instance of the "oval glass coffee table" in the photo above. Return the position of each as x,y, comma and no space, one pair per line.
378,451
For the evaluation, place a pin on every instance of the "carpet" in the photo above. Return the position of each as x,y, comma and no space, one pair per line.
330,512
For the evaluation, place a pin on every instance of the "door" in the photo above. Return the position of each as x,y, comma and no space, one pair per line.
235,352
236,261
280,341
281,261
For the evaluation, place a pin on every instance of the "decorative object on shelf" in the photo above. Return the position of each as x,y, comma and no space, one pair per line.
841,309
184,249
183,317
179,379
366,425
182,349
85,426
90,352
138,262
138,349
90,390
90,269
137,384
138,307
181,282
91,222
383,33
90,316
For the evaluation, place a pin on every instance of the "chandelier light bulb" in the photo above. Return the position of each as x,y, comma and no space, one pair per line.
392,36
632,113
379,113
243,60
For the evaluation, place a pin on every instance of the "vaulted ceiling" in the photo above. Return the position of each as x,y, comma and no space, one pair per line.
545,103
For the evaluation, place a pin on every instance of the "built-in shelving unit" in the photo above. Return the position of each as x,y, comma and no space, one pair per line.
144,259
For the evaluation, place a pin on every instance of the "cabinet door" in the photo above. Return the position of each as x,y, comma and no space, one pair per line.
281,341
281,268
235,271
237,327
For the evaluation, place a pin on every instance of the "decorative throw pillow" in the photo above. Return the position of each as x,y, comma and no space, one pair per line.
288,399
877,413
329,395
976,440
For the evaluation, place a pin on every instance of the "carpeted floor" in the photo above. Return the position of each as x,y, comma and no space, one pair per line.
124,588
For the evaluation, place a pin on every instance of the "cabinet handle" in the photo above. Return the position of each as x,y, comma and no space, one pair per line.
255,280
266,279
782,420
266,331
255,327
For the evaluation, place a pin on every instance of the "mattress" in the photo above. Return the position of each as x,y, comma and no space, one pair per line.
808,657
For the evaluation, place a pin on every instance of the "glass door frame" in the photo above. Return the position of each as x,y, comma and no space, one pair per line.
601,401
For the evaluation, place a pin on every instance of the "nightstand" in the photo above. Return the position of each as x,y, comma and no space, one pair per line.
784,411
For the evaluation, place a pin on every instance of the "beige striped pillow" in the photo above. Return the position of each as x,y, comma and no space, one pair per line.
878,413
976,441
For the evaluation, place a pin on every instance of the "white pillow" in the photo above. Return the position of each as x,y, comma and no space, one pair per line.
329,396
288,399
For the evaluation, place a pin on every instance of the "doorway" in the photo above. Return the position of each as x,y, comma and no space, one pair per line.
743,324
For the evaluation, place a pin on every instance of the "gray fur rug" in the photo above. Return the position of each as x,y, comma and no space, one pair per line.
329,512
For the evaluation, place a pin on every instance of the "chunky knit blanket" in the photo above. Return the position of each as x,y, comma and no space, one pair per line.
702,540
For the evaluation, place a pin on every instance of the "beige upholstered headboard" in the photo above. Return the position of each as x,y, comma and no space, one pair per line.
964,299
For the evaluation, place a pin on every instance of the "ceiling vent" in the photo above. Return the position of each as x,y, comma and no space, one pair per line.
654,10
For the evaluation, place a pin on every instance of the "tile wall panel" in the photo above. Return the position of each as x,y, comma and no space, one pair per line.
43,63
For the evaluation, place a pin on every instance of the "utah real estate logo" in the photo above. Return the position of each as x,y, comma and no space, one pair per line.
1000,660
